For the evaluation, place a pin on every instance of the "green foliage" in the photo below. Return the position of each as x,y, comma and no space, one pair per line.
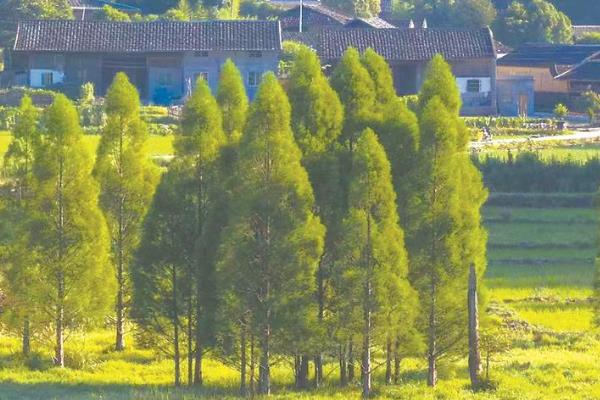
381,74
441,83
112,14
185,11
561,111
127,179
272,247
366,9
443,13
68,232
356,90
533,21
589,38
232,98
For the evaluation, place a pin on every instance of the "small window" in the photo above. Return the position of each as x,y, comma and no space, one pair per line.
165,79
254,78
203,75
47,79
201,54
473,86
255,54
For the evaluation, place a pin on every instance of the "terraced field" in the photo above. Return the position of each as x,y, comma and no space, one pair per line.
541,264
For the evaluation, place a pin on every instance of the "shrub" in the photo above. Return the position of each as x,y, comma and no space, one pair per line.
561,111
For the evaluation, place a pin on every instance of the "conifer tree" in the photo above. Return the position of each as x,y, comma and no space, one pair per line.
274,240
381,74
199,145
163,264
356,89
317,119
127,179
20,265
68,231
375,258
232,98
446,236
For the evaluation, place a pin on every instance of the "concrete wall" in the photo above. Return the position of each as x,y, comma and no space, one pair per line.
516,95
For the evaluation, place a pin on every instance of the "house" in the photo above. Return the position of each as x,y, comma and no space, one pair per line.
92,9
545,63
161,58
471,54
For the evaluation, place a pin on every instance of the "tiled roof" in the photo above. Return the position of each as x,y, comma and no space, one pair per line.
587,71
146,37
373,22
406,44
320,9
549,54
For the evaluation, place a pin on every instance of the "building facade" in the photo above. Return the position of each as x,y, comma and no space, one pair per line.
163,59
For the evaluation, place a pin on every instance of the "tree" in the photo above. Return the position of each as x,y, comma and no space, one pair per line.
367,9
20,265
199,145
274,240
533,21
445,234
317,121
232,98
68,232
164,263
127,179
112,14
375,258
381,74
589,38
356,90
472,14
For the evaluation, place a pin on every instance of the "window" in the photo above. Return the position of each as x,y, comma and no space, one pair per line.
254,78
201,54
473,86
203,75
255,54
165,79
47,79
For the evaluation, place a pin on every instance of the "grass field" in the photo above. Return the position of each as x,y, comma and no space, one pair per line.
579,152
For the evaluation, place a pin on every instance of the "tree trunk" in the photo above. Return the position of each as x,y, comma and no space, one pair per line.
350,361
397,361
243,391
303,373
474,354
175,319
198,359
343,366
26,337
366,356
388,361
252,365
120,339
59,357
318,370
487,366
321,304
432,345
264,369
120,322
190,334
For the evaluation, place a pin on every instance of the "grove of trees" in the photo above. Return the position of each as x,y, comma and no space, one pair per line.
325,222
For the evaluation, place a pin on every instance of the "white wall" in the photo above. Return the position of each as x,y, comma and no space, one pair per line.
485,84
35,77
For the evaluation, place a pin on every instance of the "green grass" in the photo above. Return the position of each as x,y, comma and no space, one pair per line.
157,145
579,152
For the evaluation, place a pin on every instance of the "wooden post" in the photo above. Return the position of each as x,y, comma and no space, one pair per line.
474,355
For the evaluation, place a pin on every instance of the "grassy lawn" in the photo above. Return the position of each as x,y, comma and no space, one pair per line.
579,152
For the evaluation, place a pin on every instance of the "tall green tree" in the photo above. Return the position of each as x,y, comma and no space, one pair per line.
127,179
375,259
356,90
20,265
381,74
445,231
317,122
274,241
200,144
68,231
164,262
233,100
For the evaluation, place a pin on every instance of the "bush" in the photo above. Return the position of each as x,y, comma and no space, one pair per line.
7,117
561,111
36,362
